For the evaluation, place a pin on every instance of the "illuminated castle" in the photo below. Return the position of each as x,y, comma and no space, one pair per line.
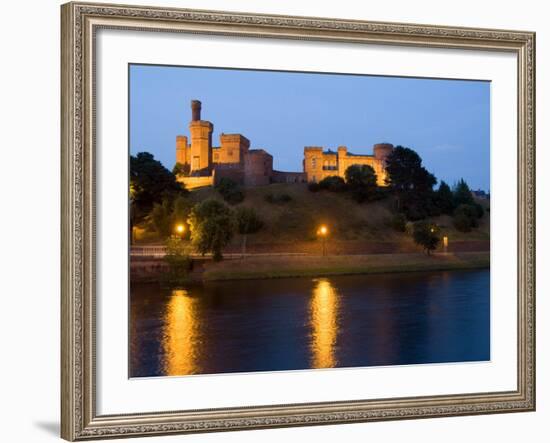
202,164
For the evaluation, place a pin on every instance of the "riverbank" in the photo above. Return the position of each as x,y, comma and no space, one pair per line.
309,266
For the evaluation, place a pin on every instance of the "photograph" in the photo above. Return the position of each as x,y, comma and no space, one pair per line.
288,220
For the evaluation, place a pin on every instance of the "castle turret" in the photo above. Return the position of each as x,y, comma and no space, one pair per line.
381,151
181,149
196,106
201,141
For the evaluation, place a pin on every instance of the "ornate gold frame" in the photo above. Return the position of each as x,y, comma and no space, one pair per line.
79,420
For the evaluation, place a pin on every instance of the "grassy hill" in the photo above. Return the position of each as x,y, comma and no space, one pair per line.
297,220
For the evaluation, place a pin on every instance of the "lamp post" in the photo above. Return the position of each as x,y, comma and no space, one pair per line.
180,229
323,232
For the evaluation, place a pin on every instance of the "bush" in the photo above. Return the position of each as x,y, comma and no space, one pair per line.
179,261
333,183
277,198
314,187
230,191
361,180
466,217
248,222
462,222
212,227
426,235
399,222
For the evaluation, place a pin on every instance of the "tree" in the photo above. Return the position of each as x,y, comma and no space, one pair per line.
230,191
444,199
426,235
150,183
180,212
181,169
248,222
161,217
212,227
462,194
333,183
361,180
466,217
177,258
411,183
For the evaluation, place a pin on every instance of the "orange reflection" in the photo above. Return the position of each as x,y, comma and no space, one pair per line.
324,324
180,334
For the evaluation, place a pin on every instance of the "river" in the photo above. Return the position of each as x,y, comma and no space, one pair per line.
304,323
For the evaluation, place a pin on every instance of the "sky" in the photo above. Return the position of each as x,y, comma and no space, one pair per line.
446,121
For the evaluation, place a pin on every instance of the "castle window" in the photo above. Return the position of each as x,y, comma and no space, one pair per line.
314,163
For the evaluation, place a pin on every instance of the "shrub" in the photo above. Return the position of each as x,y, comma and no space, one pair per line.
212,227
248,222
333,183
466,217
230,191
462,222
178,259
314,187
277,198
361,180
426,235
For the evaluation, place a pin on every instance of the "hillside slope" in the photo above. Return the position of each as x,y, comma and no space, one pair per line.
297,220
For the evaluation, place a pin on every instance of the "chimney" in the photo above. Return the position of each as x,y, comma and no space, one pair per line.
195,110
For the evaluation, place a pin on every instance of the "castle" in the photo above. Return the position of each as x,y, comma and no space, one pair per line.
205,165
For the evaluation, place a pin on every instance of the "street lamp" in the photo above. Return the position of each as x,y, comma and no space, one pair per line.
180,229
323,232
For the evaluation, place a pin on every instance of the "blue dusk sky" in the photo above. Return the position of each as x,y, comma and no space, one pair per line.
446,121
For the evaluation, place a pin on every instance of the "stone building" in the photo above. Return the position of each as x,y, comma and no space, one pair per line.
207,164
319,164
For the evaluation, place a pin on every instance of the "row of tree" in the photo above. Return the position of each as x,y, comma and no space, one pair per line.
412,187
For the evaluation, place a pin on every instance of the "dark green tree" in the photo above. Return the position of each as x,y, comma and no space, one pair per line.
466,216
462,194
181,169
410,182
248,222
361,181
230,191
178,259
150,183
444,199
333,183
212,226
161,217
426,235
181,208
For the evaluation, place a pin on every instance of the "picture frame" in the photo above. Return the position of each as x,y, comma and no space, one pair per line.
80,23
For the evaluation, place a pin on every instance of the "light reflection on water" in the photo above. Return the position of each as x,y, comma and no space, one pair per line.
303,323
324,324
180,333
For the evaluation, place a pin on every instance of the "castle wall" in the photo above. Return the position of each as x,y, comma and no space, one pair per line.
288,177
197,182
258,168
319,164
233,148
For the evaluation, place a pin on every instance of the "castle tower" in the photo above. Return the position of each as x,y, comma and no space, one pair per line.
181,149
381,151
201,141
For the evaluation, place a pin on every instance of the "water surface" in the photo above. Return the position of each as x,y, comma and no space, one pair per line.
303,323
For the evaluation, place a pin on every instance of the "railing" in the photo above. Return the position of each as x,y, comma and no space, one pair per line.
148,251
